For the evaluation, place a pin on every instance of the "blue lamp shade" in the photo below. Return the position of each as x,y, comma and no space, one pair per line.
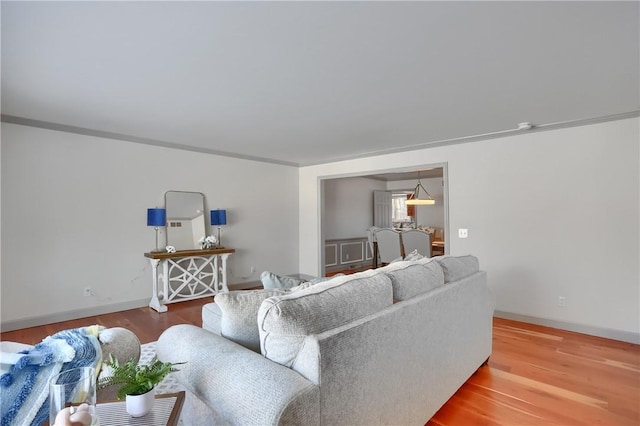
156,217
218,217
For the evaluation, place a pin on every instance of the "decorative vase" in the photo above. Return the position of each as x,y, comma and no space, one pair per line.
140,405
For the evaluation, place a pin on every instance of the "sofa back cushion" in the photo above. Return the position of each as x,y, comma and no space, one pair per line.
457,267
411,278
240,312
285,320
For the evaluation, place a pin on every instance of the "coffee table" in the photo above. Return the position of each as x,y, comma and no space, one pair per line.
166,411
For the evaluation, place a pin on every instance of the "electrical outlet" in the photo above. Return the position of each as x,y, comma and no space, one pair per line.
88,292
463,233
562,301
253,269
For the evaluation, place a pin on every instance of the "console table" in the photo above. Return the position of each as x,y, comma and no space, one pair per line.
187,274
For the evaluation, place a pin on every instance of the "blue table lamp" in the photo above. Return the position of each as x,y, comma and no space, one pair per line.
156,218
218,217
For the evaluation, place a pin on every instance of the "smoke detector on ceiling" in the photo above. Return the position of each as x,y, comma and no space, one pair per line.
525,126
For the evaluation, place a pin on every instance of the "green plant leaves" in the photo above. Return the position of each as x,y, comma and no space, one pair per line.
135,379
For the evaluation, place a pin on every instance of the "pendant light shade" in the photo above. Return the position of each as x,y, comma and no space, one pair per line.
415,200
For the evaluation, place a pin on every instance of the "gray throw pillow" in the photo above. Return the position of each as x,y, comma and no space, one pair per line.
239,322
271,281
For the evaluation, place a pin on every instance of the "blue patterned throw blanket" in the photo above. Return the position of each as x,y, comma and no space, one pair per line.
24,390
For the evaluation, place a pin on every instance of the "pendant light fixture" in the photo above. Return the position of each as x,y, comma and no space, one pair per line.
415,200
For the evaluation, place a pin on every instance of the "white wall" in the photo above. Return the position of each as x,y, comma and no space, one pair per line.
549,213
74,216
349,206
552,213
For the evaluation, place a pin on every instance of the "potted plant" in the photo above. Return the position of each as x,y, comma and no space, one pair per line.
137,382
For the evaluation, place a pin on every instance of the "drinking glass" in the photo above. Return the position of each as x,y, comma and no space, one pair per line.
71,388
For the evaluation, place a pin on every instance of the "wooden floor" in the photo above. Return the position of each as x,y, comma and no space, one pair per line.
536,375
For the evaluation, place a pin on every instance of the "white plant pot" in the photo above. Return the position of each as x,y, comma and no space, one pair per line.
140,405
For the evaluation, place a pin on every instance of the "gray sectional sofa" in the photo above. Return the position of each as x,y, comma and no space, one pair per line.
384,346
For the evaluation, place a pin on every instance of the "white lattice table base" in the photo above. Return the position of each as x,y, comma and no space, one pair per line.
187,275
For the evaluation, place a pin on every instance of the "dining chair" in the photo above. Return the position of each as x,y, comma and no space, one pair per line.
417,240
389,245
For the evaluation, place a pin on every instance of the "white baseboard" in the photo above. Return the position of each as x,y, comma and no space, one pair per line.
72,315
608,333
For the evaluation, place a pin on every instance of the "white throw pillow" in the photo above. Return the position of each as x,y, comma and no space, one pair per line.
414,255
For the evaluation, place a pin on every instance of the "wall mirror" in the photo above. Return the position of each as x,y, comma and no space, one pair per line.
185,219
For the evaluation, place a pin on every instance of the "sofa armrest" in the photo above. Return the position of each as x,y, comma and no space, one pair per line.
237,384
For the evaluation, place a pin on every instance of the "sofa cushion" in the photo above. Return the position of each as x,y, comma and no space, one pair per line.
284,321
239,313
458,267
410,278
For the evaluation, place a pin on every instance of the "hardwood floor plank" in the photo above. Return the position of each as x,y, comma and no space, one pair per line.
536,375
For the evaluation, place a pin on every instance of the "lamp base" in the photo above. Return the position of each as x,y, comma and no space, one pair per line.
219,245
157,249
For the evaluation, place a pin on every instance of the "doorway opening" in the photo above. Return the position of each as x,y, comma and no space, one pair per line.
348,210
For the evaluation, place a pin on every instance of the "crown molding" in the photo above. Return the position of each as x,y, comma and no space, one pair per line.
453,141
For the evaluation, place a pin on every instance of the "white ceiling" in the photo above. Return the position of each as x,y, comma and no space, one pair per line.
311,82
